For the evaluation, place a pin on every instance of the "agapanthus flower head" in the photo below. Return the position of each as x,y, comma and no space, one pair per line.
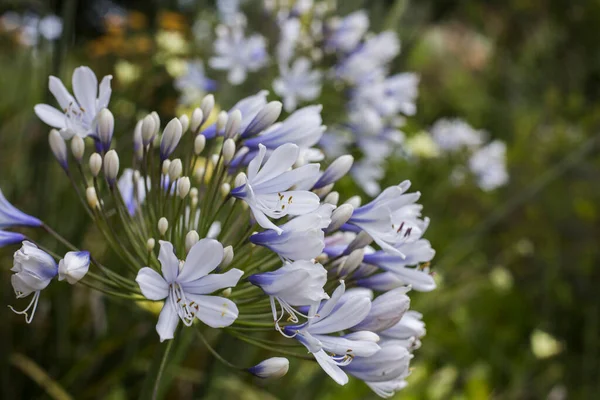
454,134
488,164
236,224
77,114
297,83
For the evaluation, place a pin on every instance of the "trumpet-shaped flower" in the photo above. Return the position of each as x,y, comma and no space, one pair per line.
33,270
11,216
7,238
187,289
297,83
302,237
331,316
296,284
266,187
77,115
74,266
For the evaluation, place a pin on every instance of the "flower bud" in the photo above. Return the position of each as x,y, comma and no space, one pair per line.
222,121
137,136
198,174
165,167
183,186
386,311
111,166
264,119
185,123
74,266
228,150
170,139
194,192
150,243
354,201
207,105
226,292
191,239
340,167
58,147
233,124
352,262
156,118
163,225
274,367
92,198
105,127
227,257
175,169
225,189
95,164
196,122
199,144
340,216
240,179
332,198
361,240
148,129
77,147
324,191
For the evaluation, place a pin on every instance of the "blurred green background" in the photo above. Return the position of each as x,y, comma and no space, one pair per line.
517,311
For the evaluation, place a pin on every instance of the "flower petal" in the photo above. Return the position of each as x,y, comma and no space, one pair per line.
280,161
210,283
105,93
331,368
85,87
214,311
60,92
353,311
152,284
203,258
50,115
168,261
167,321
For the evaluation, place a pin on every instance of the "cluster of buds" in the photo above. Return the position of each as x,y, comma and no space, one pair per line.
226,220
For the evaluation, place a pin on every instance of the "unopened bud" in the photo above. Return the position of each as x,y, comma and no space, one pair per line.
165,167
335,171
95,164
240,179
354,201
228,151
360,241
175,169
183,186
196,122
170,139
199,144
339,217
77,148
226,292
111,166
222,121
233,124
150,243
225,189
207,105
198,174
191,239
273,368
324,191
148,129
352,262
137,137
332,198
264,119
58,147
185,123
194,192
92,198
227,257
105,127
163,225
156,118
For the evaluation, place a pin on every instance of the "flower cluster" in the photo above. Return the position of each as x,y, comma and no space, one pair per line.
227,221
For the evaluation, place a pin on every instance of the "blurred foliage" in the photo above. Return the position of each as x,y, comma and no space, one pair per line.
516,314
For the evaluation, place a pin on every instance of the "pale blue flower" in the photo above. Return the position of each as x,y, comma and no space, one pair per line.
8,238
295,284
345,34
410,326
193,84
187,288
237,54
388,95
266,189
132,191
11,216
249,107
488,164
455,134
51,27
302,237
77,115
330,317
289,29
33,270
74,266
297,83
386,311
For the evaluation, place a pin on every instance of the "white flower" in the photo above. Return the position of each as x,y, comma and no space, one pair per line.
454,134
237,54
33,270
297,83
266,187
77,115
74,266
489,165
187,289
346,34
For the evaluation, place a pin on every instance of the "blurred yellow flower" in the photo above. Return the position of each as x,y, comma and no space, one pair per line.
544,345
422,145
501,278
127,72
171,42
